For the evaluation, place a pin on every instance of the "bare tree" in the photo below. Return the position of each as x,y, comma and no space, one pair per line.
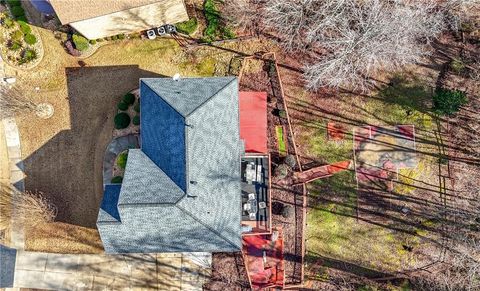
32,207
243,14
353,40
13,102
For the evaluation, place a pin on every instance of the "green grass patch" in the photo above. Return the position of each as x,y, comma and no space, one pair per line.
282,148
206,67
187,27
327,150
404,101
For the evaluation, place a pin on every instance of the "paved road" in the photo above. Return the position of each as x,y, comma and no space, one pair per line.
111,272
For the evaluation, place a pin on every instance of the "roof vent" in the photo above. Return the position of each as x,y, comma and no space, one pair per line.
176,77
193,182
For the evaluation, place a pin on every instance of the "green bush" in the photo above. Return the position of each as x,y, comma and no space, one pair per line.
113,37
121,36
100,39
187,27
129,98
29,55
137,106
447,102
22,18
13,3
80,42
122,106
14,45
24,27
213,19
17,35
17,11
30,39
117,180
92,42
122,160
8,22
136,120
122,120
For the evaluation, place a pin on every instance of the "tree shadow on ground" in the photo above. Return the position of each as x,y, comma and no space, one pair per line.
68,168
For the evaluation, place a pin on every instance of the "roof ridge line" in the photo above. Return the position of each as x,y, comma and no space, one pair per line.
213,95
205,225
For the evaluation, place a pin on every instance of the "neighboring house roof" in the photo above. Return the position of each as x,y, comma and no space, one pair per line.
181,191
253,121
71,11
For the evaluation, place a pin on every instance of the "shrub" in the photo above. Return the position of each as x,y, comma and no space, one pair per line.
213,16
282,114
117,180
29,55
14,45
13,3
136,120
17,11
22,18
121,36
113,37
447,102
30,39
122,159
71,50
122,120
8,22
17,35
80,42
287,211
122,106
137,106
92,42
281,171
290,161
24,27
129,98
100,39
187,27
457,66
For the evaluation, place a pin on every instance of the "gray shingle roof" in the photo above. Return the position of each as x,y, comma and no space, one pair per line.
187,94
145,183
156,214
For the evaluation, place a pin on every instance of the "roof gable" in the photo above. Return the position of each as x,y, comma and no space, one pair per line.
145,183
187,94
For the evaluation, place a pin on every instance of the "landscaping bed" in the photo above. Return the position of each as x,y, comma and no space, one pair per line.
21,44
259,75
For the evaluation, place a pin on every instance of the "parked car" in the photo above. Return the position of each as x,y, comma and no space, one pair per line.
151,34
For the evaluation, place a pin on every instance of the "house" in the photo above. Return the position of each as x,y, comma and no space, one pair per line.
186,188
98,19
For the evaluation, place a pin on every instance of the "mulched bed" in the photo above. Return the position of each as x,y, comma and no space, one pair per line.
228,273
266,81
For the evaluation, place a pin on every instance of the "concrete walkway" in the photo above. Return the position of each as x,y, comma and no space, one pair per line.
12,138
111,272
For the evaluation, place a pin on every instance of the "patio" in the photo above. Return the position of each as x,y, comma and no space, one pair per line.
255,196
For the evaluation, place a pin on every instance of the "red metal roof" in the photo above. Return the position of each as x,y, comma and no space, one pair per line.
253,121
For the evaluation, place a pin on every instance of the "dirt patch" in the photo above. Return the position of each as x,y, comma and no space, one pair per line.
228,273
66,164
58,237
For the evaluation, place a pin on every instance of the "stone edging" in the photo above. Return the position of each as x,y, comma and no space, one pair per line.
16,176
